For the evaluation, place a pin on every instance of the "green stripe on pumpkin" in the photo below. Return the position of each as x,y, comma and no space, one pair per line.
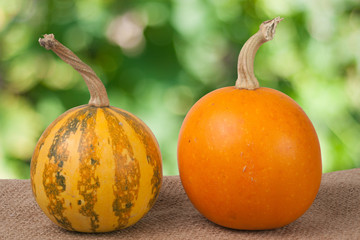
40,144
151,151
127,170
53,180
88,182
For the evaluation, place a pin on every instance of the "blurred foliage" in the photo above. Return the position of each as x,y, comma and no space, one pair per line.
157,58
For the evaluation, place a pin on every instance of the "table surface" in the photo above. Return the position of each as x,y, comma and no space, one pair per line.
335,214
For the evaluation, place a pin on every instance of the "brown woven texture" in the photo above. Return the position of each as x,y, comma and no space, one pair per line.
335,214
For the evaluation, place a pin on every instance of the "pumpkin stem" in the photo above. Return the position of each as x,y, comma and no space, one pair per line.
98,95
246,77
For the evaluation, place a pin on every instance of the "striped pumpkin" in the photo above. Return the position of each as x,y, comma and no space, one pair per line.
96,169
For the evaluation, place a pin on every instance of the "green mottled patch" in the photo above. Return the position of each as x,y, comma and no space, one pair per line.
40,144
53,180
156,184
56,205
127,173
88,182
60,181
153,156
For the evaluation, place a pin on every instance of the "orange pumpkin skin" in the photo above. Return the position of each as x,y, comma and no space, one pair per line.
249,159
96,169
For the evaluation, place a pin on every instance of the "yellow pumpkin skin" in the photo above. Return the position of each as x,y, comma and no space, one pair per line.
96,169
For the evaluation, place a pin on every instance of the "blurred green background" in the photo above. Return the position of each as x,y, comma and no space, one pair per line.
157,58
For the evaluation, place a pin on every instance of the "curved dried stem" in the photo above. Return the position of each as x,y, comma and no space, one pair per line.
246,77
98,95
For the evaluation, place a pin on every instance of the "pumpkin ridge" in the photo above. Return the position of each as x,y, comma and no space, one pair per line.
53,180
140,130
43,137
88,182
151,150
127,170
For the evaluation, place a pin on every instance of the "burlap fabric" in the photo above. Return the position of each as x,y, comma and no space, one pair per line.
335,214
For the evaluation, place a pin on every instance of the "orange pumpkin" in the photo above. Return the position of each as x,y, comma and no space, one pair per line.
249,157
96,168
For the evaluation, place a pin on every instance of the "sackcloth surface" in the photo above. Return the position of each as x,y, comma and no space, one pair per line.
335,214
